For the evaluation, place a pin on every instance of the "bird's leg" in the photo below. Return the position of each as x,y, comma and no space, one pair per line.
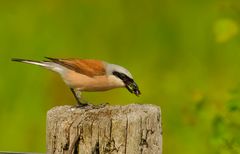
77,96
83,104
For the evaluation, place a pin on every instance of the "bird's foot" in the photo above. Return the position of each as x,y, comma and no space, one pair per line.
89,106
82,106
100,106
79,106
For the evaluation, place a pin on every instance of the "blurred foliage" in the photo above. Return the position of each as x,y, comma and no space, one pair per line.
183,54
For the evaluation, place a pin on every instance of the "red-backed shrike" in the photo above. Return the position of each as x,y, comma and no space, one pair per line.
88,75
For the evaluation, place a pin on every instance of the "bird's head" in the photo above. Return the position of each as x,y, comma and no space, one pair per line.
125,76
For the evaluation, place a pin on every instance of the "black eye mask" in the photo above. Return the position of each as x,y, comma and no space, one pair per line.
129,83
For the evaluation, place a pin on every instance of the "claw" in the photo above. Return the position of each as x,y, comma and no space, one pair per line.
89,106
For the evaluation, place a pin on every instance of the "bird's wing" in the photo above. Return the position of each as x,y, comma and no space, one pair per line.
87,67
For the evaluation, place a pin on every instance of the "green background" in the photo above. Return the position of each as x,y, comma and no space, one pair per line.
184,55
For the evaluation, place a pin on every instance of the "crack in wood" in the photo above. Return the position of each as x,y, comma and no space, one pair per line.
79,136
144,136
111,146
66,146
144,143
92,128
76,146
96,149
141,135
54,138
54,143
150,131
81,132
110,129
126,135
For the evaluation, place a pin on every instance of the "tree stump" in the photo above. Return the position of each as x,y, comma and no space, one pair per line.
130,129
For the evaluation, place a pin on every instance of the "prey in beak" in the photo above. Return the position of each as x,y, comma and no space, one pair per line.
130,84
133,88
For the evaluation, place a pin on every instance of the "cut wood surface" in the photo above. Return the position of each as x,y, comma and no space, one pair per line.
130,129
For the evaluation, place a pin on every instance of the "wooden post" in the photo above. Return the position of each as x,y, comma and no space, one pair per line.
130,129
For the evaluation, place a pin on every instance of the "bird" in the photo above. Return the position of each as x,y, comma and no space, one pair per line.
89,75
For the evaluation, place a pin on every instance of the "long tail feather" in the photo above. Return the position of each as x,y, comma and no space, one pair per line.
47,64
34,62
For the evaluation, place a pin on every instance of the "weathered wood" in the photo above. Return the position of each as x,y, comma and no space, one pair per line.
131,129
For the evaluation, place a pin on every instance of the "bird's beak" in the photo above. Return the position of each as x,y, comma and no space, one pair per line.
129,83
133,88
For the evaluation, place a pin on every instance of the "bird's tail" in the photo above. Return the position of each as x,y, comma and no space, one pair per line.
46,64
34,62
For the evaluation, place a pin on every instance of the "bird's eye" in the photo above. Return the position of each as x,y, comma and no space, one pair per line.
123,77
120,75
117,74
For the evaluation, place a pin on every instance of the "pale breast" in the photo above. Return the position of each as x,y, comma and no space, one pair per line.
86,83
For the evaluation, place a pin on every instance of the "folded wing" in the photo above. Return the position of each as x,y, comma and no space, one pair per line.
87,67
